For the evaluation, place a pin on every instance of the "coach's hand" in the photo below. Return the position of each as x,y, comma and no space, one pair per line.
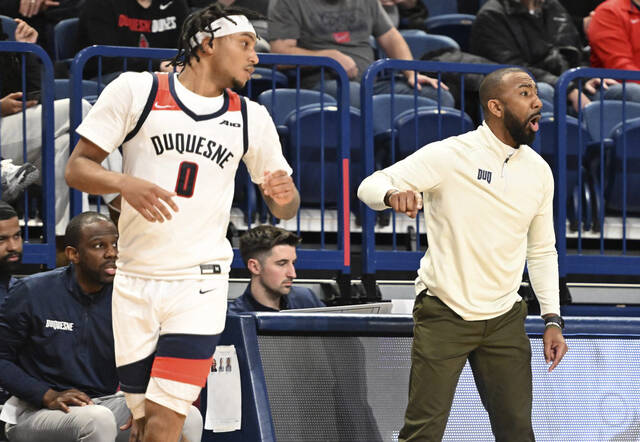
408,202
555,346
152,201
61,400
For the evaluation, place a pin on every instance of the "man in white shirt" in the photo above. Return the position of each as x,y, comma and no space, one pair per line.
183,137
488,208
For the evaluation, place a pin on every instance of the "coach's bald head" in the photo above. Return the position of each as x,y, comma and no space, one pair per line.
511,106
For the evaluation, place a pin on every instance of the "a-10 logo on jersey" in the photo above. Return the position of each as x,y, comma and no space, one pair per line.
187,143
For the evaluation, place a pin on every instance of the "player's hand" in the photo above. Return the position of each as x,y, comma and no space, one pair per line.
150,200
25,33
408,202
423,79
61,400
555,346
279,187
12,104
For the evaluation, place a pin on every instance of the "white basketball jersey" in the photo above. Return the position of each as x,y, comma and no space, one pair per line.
197,157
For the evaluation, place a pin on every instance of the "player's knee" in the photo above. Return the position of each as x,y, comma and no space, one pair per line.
96,423
192,428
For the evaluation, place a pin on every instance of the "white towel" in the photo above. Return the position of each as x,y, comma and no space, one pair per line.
224,394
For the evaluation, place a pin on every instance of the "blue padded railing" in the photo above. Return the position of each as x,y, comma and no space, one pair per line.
606,260
337,257
373,258
39,251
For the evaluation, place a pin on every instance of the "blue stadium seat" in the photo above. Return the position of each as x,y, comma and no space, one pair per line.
263,79
8,27
441,7
90,90
577,139
281,102
422,43
614,192
431,126
456,26
612,111
382,108
65,39
547,106
315,128
612,115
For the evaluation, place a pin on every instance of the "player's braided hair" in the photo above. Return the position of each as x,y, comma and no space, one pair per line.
199,21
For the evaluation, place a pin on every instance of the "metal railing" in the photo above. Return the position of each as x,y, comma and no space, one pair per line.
599,152
38,250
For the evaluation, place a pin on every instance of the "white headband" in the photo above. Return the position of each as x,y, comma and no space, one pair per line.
224,26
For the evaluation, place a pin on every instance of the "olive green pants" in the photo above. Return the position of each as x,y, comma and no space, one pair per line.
499,353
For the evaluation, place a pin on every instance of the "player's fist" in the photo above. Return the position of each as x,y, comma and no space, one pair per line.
408,202
278,186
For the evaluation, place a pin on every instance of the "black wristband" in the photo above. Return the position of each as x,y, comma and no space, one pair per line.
555,319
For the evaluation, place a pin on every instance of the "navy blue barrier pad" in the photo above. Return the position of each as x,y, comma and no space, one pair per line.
600,310
345,377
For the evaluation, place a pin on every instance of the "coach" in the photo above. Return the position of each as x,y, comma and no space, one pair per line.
488,207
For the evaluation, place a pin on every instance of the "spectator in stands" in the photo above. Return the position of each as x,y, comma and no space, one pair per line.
16,173
42,15
540,36
340,29
10,257
489,205
56,346
270,255
581,12
413,11
139,23
10,247
614,35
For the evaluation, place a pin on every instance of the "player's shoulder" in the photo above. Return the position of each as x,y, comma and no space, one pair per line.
134,80
256,110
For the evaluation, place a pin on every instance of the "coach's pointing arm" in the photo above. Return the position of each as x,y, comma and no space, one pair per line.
85,173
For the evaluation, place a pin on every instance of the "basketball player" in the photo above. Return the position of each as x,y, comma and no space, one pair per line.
183,137
489,202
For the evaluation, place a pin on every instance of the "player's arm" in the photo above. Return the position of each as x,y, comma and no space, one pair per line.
85,173
280,194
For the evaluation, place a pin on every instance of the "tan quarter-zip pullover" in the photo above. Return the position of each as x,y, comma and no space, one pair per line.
488,207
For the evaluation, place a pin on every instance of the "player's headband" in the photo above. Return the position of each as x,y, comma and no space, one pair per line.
232,24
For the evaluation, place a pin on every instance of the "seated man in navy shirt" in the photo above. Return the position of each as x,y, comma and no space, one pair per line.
10,247
270,255
56,346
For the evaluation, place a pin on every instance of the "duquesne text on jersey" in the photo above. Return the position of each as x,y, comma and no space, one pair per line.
187,143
